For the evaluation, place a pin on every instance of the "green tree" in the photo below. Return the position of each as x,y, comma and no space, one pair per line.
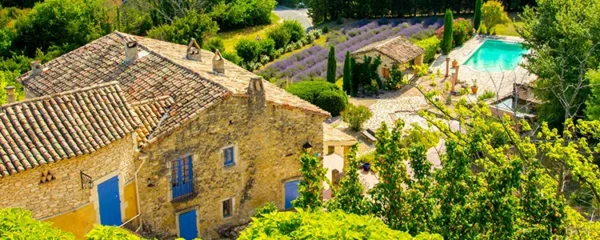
448,28
16,223
100,232
349,197
347,81
267,47
356,116
280,35
311,186
592,110
248,49
182,29
560,56
492,14
215,43
323,225
67,24
477,15
295,29
331,66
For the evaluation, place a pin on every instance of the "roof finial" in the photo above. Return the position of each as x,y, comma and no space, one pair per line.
193,51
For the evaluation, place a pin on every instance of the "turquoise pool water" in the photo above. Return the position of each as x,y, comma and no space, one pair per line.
496,56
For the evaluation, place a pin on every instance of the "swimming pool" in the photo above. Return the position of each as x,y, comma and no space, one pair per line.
496,56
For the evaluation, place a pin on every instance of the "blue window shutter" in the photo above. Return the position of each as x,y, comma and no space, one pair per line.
190,170
229,156
182,172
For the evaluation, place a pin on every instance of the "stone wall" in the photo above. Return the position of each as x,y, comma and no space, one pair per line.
268,142
64,195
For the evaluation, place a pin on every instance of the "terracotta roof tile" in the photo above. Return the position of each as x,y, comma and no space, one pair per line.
47,129
151,112
399,49
161,70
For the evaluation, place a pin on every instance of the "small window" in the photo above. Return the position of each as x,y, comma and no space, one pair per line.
229,156
181,177
385,72
330,149
227,208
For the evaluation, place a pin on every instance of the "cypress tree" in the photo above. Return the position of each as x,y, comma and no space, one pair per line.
448,28
347,74
477,17
331,66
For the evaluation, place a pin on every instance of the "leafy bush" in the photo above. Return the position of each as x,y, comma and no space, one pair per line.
320,225
16,223
325,29
295,29
265,209
248,50
100,232
483,29
356,116
421,70
232,57
280,35
235,14
395,80
215,43
267,47
492,14
430,45
463,31
332,101
192,25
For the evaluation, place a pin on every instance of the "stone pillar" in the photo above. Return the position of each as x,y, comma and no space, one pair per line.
447,66
419,60
456,73
453,80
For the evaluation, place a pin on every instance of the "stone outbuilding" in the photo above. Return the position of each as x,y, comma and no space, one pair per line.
336,146
69,158
395,51
216,141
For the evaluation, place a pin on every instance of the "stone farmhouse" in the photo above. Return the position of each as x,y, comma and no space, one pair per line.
213,143
394,51
67,154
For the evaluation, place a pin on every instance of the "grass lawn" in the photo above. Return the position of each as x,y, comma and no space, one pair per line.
508,29
230,38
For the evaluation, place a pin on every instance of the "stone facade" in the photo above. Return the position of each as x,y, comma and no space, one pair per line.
268,140
64,195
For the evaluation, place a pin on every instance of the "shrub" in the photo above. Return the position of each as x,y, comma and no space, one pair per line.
483,29
396,78
447,41
16,223
325,29
462,31
195,25
356,116
280,35
492,14
421,70
325,225
430,45
332,101
215,43
100,232
295,29
267,47
248,50
232,57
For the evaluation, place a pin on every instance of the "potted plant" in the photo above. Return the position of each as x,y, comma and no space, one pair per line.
474,87
454,63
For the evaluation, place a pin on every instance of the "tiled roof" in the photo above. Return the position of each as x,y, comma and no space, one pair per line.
162,69
47,129
331,134
151,112
399,49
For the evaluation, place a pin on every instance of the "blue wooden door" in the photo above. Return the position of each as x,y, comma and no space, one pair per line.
291,193
110,202
187,225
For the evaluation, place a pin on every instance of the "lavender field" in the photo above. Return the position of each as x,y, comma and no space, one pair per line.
312,62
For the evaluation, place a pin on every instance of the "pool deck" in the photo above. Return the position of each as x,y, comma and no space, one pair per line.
499,82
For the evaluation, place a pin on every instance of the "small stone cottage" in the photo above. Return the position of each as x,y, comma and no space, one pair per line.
216,141
69,157
394,51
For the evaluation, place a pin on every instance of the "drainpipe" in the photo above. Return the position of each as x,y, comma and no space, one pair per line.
137,189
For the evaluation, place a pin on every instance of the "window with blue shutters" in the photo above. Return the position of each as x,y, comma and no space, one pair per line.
229,154
182,177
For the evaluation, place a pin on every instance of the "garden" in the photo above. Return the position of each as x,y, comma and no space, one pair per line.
312,62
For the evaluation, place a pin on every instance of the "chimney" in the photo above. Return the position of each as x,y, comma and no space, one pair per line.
131,50
193,51
10,94
218,63
256,91
36,68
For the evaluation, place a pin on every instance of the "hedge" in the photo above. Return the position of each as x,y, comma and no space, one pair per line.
332,100
431,46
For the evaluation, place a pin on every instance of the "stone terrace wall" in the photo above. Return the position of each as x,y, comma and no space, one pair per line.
268,144
64,194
